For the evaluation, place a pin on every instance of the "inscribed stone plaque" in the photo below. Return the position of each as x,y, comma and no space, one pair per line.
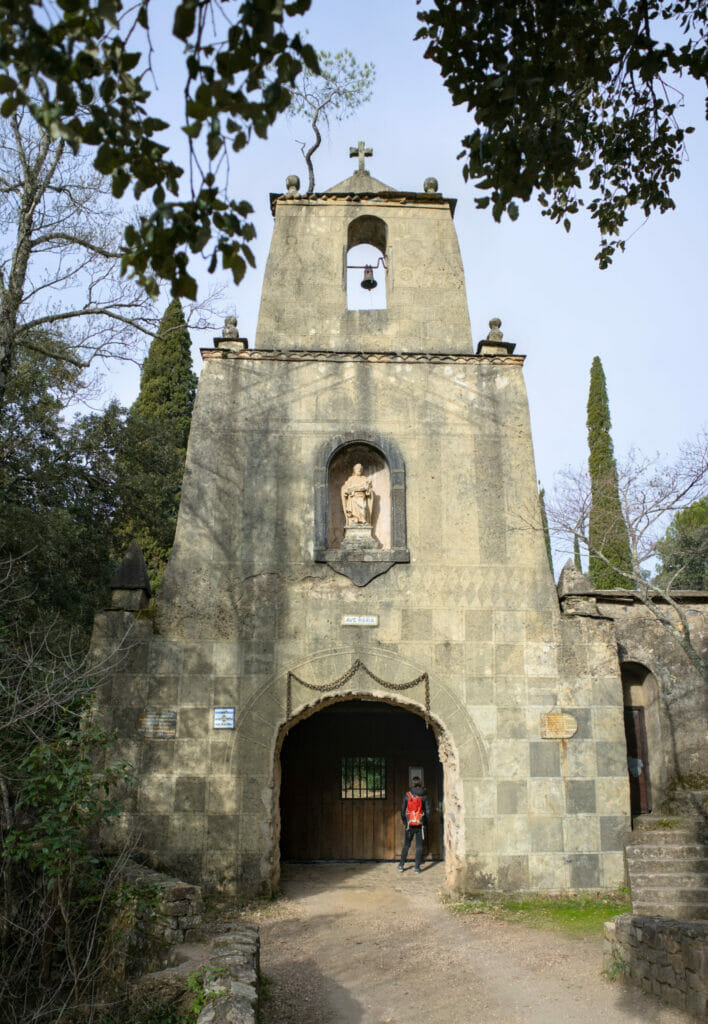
223,718
360,620
158,725
558,726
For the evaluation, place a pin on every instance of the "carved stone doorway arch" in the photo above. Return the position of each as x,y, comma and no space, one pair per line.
344,770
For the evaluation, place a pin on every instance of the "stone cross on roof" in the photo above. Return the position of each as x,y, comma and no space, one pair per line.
361,151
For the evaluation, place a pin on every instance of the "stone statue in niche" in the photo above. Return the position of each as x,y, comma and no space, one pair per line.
357,503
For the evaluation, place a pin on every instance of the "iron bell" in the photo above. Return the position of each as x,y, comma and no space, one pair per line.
369,280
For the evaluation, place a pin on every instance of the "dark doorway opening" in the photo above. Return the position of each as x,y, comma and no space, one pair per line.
640,722
344,771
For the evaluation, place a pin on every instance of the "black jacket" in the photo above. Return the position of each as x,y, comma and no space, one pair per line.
415,791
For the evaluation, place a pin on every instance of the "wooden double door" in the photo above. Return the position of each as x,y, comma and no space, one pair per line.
343,775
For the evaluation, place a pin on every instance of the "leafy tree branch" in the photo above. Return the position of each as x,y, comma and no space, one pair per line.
84,70
576,102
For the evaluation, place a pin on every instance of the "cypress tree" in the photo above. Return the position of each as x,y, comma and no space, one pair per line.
544,523
607,530
151,464
576,553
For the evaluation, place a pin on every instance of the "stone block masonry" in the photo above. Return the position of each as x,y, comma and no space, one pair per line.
174,916
464,633
664,957
231,977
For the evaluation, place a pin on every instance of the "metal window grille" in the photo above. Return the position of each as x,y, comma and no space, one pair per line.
363,778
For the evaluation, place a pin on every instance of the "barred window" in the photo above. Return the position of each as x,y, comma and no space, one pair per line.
363,778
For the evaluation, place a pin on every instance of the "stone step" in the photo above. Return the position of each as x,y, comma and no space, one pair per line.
649,868
664,836
671,894
693,802
689,853
691,911
670,879
686,862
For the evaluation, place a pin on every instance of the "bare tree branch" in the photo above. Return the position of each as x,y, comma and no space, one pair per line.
651,492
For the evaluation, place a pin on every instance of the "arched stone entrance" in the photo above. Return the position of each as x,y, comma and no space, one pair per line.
344,770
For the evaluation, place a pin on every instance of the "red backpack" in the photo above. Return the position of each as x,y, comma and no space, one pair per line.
414,810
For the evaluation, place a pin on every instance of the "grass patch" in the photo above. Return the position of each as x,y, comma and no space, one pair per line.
581,916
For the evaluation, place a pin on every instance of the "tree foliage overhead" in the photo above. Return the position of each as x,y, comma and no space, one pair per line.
575,101
684,549
59,493
154,447
80,68
339,89
610,562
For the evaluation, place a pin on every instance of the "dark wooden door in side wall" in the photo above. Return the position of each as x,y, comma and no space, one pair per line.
344,773
635,731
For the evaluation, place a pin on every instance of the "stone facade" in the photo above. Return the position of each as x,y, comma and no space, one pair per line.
658,676
253,611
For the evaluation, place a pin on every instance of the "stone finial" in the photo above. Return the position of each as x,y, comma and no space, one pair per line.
430,185
495,335
573,581
230,328
292,184
494,344
130,584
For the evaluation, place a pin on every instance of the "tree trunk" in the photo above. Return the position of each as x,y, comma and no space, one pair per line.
308,156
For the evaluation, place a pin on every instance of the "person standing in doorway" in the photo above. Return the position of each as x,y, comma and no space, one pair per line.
415,812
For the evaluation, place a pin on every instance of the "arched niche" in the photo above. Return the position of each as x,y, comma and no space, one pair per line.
381,463
367,240
375,468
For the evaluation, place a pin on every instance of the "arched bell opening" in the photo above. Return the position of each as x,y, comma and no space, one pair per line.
366,272
642,727
343,772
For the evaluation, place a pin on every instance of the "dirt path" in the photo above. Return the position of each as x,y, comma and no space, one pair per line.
363,944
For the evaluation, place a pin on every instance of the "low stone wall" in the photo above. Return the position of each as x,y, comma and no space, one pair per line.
232,977
176,913
665,957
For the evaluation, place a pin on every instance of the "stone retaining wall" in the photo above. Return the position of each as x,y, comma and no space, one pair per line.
232,977
176,914
665,957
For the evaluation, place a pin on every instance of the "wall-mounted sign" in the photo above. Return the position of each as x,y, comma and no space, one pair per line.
224,718
360,620
558,726
158,725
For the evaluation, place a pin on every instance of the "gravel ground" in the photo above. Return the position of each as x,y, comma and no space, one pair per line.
364,944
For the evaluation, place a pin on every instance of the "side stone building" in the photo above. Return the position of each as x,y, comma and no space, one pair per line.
359,591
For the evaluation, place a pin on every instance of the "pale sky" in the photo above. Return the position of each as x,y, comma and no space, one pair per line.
644,316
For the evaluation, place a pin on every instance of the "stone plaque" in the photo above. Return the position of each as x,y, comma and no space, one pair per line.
558,726
360,620
224,718
158,725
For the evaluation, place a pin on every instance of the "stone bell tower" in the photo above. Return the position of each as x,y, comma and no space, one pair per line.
359,590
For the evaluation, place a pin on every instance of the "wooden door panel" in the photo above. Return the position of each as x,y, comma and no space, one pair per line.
637,760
